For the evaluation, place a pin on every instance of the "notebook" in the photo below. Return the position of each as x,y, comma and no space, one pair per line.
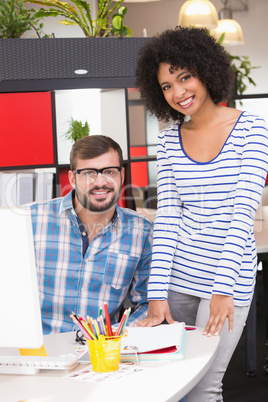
169,353
163,342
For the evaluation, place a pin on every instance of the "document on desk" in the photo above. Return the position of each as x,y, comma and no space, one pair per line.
162,342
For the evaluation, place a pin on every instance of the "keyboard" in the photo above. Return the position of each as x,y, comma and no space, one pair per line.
32,364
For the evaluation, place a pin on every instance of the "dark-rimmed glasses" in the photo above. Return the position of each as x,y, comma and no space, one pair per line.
89,175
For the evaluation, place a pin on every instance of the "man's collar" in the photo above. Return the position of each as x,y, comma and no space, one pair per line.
118,214
67,202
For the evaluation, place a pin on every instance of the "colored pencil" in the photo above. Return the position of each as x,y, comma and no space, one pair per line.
125,322
103,326
108,321
100,326
90,323
91,333
96,328
118,329
82,328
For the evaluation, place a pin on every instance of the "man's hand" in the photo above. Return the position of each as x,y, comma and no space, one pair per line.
221,307
158,311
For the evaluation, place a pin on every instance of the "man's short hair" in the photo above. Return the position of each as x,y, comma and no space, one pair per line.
91,147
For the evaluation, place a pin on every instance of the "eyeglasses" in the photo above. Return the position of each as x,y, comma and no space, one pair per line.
111,173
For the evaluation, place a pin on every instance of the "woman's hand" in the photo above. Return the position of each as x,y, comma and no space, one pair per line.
158,311
221,307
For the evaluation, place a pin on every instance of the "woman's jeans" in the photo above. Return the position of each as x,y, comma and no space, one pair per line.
195,311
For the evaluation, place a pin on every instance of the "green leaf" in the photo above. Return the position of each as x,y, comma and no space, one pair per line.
117,22
77,130
15,19
221,38
81,15
122,10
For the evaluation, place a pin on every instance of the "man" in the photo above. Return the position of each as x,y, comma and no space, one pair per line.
88,250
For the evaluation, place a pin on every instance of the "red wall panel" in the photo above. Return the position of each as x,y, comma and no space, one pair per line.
26,133
139,170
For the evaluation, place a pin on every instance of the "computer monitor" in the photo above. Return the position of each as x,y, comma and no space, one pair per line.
20,317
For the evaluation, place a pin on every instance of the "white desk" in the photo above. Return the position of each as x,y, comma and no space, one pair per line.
164,381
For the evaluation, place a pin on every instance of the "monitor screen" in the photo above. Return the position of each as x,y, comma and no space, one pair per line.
20,323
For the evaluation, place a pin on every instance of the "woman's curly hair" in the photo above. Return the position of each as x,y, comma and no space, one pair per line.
190,48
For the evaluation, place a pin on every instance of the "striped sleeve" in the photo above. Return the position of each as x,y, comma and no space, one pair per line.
166,226
252,176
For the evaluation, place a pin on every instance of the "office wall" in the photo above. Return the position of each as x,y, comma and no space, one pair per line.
160,15
157,16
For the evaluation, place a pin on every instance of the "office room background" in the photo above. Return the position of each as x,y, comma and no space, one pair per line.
155,17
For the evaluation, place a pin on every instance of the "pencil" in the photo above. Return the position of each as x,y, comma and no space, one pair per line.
78,323
100,326
108,321
103,326
90,323
96,328
125,322
118,329
91,333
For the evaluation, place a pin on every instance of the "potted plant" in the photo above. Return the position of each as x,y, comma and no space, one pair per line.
15,19
80,14
77,130
242,67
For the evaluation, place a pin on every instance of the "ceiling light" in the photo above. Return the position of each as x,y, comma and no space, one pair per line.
198,13
138,1
232,31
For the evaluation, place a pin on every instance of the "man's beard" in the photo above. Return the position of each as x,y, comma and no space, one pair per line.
84,199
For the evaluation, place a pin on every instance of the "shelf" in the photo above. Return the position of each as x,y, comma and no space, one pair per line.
50,63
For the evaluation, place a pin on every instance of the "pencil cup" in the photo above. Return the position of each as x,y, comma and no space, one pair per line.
105,353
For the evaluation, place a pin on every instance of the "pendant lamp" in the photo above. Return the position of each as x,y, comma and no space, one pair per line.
198,13
233,34
139,1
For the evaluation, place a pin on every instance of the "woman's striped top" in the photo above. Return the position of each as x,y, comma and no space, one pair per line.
203,234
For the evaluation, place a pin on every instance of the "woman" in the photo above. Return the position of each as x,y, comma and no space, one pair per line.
212,168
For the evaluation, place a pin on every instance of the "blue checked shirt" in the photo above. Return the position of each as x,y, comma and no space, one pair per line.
116,262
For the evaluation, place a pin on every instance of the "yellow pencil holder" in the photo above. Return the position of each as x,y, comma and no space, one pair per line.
105,353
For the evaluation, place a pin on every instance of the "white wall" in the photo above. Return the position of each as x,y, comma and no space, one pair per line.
104,110
79,104
157,16
113,117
